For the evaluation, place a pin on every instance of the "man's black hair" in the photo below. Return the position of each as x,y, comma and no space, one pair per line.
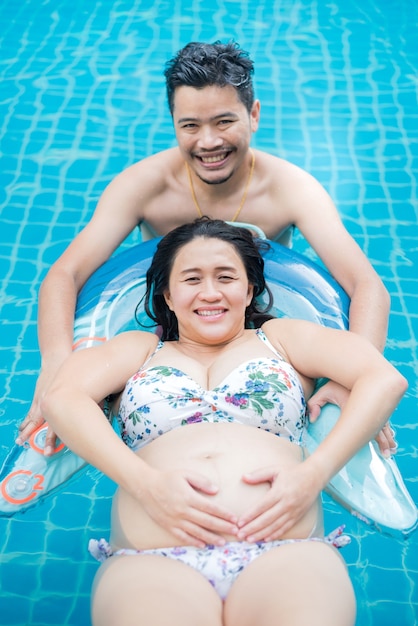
218,64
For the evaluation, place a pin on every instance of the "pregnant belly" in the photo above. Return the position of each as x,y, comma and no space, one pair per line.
222,452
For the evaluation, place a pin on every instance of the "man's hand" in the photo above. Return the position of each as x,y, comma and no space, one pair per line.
336,394
34,419
330,393
386,441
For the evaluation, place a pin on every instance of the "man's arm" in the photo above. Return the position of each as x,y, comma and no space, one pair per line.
368,316
116,215
321,225
318,220
369,299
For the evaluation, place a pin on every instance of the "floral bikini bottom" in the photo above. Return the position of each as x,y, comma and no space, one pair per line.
220,565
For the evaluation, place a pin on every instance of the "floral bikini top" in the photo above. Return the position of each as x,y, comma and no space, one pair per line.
263,392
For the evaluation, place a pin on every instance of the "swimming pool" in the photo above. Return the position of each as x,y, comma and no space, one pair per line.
82,97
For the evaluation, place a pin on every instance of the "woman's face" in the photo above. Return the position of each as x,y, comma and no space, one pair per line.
208,291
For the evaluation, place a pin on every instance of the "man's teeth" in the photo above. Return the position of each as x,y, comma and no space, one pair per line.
213,159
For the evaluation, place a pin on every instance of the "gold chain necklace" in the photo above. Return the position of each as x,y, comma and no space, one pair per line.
244,195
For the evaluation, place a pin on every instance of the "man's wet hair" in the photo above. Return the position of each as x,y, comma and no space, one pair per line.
217,64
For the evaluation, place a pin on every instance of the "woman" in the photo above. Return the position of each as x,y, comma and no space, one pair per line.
217,519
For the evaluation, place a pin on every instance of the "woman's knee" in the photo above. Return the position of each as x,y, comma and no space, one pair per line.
306,583
149,589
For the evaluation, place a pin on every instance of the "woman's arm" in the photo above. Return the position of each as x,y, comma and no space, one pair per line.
376,388
70,406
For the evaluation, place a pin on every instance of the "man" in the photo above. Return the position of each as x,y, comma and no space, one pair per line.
213,171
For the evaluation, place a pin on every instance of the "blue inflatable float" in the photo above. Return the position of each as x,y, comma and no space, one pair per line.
369,486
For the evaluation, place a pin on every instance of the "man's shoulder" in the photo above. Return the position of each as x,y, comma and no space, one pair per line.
152,172
276,163
168,158
282,177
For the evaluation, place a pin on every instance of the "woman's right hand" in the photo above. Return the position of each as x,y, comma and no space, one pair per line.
177,501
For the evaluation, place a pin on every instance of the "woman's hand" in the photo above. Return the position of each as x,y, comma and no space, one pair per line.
293,491
177,501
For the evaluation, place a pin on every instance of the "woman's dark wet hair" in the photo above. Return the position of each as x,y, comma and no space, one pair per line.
201,65
247,247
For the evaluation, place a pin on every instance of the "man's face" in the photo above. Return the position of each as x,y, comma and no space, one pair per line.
213,130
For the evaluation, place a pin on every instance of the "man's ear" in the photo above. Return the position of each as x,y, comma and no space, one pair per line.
255,115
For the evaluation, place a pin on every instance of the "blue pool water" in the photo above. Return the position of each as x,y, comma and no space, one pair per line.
82,97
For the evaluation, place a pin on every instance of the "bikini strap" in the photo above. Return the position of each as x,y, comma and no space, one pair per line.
263,337
158,347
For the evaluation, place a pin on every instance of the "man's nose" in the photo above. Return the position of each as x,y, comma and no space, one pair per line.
209,138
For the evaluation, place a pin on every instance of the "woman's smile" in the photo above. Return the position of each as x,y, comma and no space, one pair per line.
209,290
210,312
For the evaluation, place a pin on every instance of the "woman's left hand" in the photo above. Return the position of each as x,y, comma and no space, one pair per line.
293,491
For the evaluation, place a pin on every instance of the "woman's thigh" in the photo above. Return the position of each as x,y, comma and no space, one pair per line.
301,584
151,589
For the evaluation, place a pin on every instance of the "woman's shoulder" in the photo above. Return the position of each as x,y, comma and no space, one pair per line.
287,324
126,352
283,333
137,338
275,332
282,324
